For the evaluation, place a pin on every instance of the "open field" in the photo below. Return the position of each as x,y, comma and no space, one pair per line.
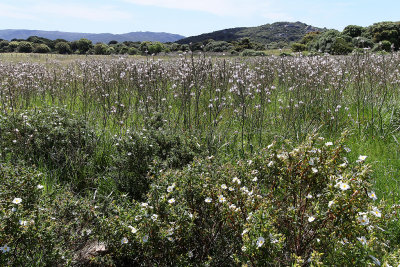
192,160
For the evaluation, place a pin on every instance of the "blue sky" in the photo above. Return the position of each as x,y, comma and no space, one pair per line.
188,17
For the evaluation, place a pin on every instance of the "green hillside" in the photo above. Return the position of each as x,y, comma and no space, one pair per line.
275,32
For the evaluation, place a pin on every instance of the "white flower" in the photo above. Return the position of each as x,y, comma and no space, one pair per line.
221,198
372,195
144,204
145,238
133,229
311,219
260,241
330,203
342,186
361,158
138,217
190,254
314,170
170,188
171,201
223,186
329,144
363,220
208,200
347,149
376,212
231,188
311,162
232,206
236,180
154,217
5,249
255,179
363,240
170,238
309,196
39,186
124,240
270,164
17,200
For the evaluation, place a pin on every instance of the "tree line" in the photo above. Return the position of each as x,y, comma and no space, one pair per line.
35,44
382,36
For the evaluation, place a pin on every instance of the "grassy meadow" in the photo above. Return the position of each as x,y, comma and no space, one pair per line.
196,161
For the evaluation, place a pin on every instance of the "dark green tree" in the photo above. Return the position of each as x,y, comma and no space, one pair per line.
353,30
63,48
84,45
25,47
41,48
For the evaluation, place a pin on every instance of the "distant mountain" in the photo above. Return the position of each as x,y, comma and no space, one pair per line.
275,32
94,37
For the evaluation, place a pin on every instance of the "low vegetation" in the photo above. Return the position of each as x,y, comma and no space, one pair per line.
191,160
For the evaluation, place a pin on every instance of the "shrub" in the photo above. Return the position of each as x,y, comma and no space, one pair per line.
297,47
218,46
252,53
39,227
41,48
51,137
84,45
341,47
362,42
284,206
139,151
25,47
101,49
63,48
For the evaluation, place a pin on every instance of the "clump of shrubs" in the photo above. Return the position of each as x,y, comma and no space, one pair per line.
42,225
287,205
153,148
49,137
251,53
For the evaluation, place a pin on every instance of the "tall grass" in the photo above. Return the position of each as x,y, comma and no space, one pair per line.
234,106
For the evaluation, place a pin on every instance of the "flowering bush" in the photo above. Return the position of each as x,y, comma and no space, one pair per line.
283,206
40,226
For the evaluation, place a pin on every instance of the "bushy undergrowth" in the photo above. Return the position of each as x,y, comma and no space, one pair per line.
304,205
38,227
53,138
154,148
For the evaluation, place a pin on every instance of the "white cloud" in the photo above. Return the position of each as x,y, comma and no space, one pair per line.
218,7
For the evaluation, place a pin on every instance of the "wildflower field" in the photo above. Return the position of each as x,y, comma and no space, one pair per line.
199,161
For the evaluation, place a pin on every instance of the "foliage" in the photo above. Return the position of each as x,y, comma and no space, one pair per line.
84,45
218,46
41,48
298,47
101,49
51,137
63,48
40,227
148,149
25,47
268,209
353,30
